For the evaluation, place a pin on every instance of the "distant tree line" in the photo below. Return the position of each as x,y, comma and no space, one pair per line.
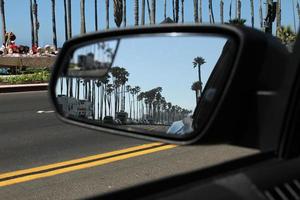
147,8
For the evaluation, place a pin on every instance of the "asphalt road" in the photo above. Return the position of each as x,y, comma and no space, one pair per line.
30,138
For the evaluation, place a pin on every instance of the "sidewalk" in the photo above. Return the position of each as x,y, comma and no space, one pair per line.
23,87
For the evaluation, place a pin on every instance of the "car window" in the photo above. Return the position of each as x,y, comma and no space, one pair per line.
44,158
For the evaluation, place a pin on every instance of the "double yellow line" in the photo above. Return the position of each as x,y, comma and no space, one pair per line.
25,175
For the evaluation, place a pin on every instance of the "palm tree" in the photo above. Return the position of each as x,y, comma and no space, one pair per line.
153,11
105,81
198,61
196,87
66,20
54,24
238,9
125,15
252,13
2,10
31,22
261,15
211,13
107,13
137,90
96,15
200,11
128,90
109,90
176,9
69,18
118,12
143,12
222,11
230,10
298,9
237,21
136,12
173,10
82,17
36,23
196,18
149,11
123,78
295,28
286,35
165,9
182,11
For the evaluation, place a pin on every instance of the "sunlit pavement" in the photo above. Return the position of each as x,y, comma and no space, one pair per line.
29,139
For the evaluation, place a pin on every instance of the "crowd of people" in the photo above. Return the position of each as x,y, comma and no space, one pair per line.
10,48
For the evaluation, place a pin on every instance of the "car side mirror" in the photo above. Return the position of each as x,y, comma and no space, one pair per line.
168,83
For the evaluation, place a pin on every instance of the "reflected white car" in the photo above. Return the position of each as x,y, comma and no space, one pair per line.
181,127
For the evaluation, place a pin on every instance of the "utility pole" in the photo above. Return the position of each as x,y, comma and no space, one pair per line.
271,14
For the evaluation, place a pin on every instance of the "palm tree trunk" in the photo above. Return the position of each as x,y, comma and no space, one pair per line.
182,11
143,12
239,6
261,15
96,15
252,13
153,11
295,27
298,9
236,9
101,102
54,24
211,13
173,10
82,17
107,13
69,18
136,12
222,11
200,12
118,12
200,81
230,10
125,14
196,18
149,11
165,9
66,20
36,23
2,10
176,11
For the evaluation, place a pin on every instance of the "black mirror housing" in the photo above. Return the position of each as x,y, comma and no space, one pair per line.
245,111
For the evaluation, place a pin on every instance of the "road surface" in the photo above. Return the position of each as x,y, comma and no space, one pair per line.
31,136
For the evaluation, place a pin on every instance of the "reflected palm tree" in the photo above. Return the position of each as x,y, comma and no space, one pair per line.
198,62
196,87
109,90
128,90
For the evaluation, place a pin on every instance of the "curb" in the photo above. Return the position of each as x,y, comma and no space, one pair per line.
23,88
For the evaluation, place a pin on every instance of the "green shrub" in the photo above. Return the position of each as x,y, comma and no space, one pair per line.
37,77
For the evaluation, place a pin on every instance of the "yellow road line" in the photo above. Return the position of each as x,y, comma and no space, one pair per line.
60,164
83,166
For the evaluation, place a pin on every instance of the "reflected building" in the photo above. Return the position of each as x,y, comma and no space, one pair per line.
88,62
77,108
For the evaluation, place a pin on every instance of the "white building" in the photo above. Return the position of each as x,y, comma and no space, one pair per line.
73,107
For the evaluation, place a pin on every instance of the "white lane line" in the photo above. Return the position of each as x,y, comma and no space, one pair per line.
45,111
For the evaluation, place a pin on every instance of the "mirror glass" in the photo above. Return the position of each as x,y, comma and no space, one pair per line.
148,84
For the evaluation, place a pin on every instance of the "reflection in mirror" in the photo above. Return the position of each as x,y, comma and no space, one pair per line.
148,84
93,60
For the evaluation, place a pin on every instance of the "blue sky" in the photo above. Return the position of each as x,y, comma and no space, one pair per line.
18,18
167,62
